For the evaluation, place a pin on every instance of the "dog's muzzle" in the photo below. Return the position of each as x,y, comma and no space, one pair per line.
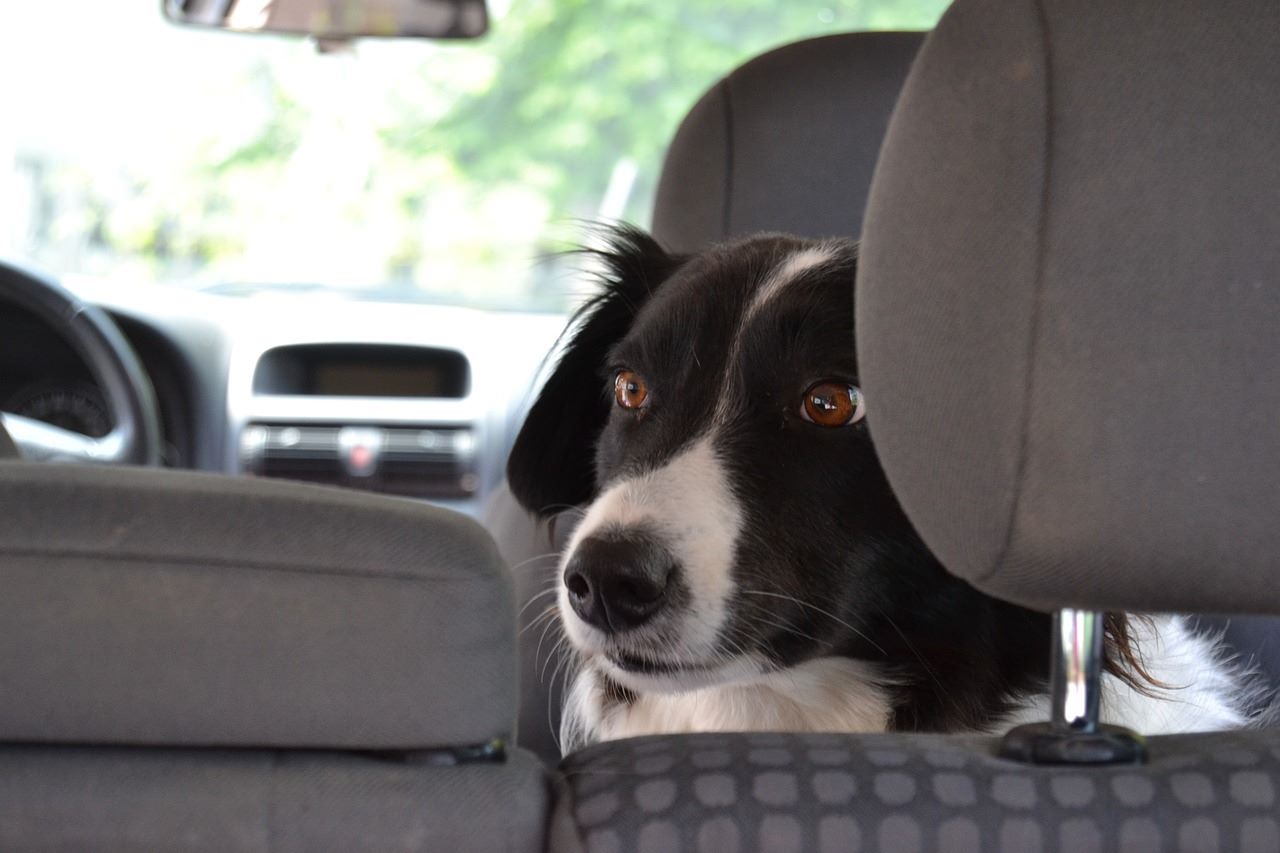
618,582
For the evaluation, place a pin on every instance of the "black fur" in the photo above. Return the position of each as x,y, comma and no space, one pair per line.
551,466
821,525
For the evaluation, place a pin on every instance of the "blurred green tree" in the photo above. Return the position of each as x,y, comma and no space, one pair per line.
437,170
580,85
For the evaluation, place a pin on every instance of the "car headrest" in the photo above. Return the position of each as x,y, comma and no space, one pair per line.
1069,301
787,142
169,608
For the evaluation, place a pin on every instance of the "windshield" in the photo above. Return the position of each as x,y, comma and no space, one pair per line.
139,152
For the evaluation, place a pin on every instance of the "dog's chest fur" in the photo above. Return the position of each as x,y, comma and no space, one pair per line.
828,694
1205,693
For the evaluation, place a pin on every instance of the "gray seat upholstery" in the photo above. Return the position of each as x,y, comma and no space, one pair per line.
232,664
132,799
893,793
1069,300
787,142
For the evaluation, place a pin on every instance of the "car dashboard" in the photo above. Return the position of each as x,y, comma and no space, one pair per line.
419,401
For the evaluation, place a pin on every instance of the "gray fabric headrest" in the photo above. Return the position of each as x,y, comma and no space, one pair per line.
787,142
1069,301
143,606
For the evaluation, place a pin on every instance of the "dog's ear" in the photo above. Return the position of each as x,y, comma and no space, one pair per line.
552,465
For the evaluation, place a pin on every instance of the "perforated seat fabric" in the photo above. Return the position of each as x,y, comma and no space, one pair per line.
171,608
532,550
816,793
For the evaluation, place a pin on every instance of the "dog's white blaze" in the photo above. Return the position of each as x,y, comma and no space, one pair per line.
787,272
827,694
690,504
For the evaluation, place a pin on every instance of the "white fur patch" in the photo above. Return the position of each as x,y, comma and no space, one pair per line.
786,273
1207,693
688,502
828,694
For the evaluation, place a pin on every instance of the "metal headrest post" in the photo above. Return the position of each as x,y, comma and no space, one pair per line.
1074,733
1077,669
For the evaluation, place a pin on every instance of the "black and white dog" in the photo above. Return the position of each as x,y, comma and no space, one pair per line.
742,563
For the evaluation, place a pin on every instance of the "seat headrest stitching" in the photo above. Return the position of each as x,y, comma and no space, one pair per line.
1033,333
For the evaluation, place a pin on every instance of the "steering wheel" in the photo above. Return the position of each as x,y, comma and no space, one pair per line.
135,438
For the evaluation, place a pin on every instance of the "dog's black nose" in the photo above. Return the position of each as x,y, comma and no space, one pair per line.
617,583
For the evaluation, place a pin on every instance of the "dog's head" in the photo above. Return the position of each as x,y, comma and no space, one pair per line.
707,414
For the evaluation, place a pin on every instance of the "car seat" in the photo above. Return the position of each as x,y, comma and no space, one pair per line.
197,662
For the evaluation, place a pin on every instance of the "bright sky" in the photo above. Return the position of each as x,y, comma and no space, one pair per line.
114,122
111,88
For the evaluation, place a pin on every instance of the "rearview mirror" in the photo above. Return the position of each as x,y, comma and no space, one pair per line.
337,20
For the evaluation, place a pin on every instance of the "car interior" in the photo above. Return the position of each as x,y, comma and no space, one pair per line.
1066,309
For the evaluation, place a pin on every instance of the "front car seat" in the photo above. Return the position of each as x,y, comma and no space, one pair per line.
1067,316
211,663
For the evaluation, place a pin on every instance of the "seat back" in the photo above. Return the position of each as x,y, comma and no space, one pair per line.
231,664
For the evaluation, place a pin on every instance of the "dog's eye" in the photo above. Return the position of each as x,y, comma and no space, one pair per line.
629,389
832,404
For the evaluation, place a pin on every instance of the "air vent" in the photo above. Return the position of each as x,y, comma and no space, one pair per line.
420,462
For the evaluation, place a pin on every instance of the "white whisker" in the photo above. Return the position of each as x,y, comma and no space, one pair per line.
523,563
534,598
548,614
537,655
816,609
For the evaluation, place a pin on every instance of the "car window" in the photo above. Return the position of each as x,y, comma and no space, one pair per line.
136,151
